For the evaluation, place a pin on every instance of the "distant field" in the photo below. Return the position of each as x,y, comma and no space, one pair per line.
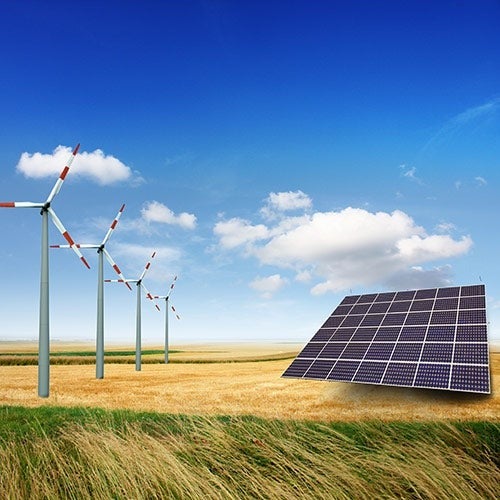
244,384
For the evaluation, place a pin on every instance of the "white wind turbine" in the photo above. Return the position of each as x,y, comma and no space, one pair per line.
101,251
44,329
166,299
140,285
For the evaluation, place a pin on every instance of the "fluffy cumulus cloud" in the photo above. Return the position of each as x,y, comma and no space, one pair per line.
154,211
417,277
277,203
269,285
236,232
346,248
96,166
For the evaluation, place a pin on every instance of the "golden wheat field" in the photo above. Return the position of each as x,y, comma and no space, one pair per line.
252,387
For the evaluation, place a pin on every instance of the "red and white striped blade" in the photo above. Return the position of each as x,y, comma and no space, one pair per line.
172,286
62,175
113,225
20,204
116,268
66,235
149,296
148,265
78,245
174,311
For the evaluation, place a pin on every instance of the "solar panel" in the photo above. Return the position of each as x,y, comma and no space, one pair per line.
434,338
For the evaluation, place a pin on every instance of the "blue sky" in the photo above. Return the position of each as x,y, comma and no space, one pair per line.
277,159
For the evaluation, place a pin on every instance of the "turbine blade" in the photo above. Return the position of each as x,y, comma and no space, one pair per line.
66,235
113,225
149,296
147,266
116,268
78,245
172,286
174,311
62,175
20,204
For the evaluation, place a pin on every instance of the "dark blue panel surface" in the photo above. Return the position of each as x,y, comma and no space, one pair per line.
332,350
394,319
380,351
342,334
323,335
470,378
298,367
434,338
355,350
437,352
379,307
422,305
407,352
387,334
344,370
471,353
399,374
432,376
370,372
441,333
320,369
363,334
471,333
413,333
311,350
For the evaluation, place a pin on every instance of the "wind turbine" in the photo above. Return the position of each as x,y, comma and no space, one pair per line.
101,251
165,298
44,329
140,285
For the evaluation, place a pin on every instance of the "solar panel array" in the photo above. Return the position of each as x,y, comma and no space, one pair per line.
434,338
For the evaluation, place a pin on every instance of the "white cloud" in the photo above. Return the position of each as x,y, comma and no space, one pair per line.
458,185
269,285
445,227
277,203
481,181
154,211
303,276
96,166
346,248
236,232
410,173
417,277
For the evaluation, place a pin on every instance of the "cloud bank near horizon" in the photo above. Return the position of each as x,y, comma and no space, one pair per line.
342,249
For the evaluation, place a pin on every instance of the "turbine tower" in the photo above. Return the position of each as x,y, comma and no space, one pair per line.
46,210
166,298
101,252
140,285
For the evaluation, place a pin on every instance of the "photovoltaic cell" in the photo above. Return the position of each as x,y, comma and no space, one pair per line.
370,372
323,335
343,370
433,338
442,333
428,293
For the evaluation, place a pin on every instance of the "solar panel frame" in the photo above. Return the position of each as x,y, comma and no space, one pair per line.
430,338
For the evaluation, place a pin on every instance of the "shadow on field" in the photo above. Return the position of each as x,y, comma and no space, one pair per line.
349,392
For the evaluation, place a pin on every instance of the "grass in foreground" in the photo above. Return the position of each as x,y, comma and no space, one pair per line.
52,452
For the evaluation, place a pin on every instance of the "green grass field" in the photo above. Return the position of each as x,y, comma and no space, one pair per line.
54,452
